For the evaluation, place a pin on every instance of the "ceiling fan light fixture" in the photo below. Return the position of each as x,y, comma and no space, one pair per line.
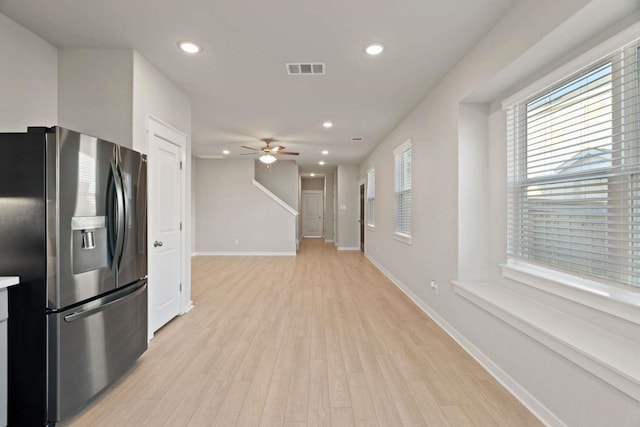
267,159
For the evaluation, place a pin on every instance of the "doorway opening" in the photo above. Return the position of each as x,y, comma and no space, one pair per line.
361,219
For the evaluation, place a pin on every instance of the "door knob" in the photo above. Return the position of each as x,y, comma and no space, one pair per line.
156,244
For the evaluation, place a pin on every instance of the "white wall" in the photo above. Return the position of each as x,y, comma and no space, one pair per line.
28,79
450,144
230,208
348,233
328,206
473,167
95,93
313,184
156,96
281,178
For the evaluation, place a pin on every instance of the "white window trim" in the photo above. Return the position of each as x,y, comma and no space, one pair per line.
371,225
611,299
603,353
606,355
402,147
403,237
575,65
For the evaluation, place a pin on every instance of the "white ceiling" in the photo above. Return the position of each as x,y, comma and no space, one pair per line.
239,86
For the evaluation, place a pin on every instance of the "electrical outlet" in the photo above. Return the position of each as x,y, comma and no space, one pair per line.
237,242
434,286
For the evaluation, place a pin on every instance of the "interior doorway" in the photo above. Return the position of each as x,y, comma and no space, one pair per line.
165,215
312,213
361,220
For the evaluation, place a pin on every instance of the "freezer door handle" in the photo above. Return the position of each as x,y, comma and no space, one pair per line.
120,215
103,303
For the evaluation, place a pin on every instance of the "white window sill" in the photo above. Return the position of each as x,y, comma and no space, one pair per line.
613,300
371,227
610,357
404,238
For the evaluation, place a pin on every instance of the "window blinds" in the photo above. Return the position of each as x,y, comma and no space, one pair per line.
403,189
371,197
573,170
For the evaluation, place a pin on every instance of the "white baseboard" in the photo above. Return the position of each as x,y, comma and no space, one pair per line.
188,308
245,254
538,409
348,248
328,241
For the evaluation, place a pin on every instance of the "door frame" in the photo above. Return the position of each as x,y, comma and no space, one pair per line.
362,191
169,133
321,192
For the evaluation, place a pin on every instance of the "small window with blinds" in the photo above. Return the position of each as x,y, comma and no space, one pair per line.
574,173
402,156
371,198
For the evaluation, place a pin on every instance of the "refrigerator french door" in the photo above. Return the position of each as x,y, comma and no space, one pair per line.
74,209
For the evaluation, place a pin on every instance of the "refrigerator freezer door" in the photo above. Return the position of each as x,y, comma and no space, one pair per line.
133,172
85,222
92,345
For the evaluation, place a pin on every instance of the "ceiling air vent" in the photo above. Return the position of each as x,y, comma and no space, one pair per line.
357,139
297,68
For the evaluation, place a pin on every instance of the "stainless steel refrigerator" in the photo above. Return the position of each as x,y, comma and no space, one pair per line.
73,227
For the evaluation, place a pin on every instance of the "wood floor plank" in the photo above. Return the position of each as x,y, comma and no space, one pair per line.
298,397
322,338
363,412
342,417
400,392
232,404
319,406
276,402
251,412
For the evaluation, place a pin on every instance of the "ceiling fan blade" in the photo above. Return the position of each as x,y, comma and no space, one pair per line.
250,148
288,153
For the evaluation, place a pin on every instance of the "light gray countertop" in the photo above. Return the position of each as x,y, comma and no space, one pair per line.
6,281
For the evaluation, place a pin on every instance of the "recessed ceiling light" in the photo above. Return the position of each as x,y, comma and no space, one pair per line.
226,151
374,49
189,47
327,125
321,163
325,152
312,174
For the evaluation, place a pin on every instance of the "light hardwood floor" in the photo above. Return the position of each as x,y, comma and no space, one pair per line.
318,339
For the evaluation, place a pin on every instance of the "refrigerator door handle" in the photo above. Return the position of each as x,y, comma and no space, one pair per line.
120,220
103,303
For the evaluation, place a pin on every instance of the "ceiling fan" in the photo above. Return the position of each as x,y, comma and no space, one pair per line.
268,153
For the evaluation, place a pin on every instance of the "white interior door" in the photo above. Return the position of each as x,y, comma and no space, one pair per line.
312,213
165,207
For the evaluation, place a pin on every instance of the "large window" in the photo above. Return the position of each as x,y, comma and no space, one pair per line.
403,191
574,173
371,197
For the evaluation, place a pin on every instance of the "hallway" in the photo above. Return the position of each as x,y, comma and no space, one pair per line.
318,339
